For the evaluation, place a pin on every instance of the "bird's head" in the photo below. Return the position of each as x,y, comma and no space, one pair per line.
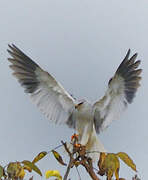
82,104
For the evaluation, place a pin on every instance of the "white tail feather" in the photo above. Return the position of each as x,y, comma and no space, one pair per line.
94,146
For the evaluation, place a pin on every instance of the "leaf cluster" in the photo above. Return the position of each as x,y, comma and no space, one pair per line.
108,164
17,170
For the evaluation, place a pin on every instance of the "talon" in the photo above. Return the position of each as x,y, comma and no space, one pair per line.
74,136
77,145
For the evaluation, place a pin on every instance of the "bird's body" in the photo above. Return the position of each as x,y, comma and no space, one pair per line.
84,121
85,127
60,107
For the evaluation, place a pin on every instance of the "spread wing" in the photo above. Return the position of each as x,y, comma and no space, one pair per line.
121,91
49,96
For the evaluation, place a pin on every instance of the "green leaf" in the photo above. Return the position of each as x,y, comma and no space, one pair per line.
127,160
1,171
39,156
32,166
51,173
58,157
112,165
101,164
13,169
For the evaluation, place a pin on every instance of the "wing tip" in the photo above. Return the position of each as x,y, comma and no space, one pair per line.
12,47
129,70
128,53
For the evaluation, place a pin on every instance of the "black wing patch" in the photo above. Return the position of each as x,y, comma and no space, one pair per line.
24,69
128,70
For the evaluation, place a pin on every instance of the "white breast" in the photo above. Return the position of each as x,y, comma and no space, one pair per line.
84,122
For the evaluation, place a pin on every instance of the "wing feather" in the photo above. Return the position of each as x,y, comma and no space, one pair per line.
49,96
121,92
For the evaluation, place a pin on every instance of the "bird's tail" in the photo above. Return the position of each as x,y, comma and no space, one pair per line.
94,147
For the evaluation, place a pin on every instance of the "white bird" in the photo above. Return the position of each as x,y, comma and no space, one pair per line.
60,107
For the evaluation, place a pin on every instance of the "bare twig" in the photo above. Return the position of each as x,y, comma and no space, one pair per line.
70,161
78,173
68,170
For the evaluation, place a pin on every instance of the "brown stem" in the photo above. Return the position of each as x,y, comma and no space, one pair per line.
70,161
66,148
68,170
89,168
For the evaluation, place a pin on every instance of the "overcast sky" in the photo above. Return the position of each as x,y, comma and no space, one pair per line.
81,43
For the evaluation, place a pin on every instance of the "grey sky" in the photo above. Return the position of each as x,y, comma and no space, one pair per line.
81,43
